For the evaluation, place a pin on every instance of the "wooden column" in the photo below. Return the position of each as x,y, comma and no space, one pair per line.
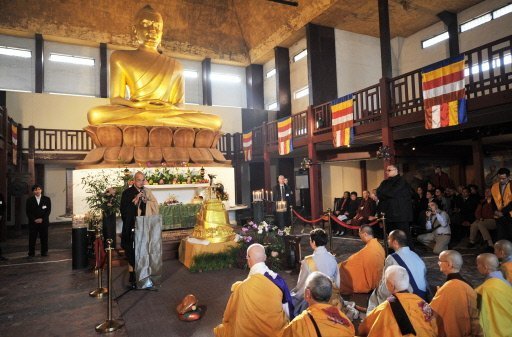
315,173
283,91
385,39
450,21
103,71
39,57
207,83
478,162
69,191
4,125
237,163
387,131
321,64
31,154
266,159
254,86
364,175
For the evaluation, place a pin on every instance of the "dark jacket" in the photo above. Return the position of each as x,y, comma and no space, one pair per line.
288,195
395,199
41,211
128,214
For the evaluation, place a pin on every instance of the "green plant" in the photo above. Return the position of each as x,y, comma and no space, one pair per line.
104,192
215,261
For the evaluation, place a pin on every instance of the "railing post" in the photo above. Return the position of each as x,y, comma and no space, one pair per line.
315,179
387,131
237,163
31,154
266,157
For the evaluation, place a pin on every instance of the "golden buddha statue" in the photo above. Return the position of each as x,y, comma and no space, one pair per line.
155,83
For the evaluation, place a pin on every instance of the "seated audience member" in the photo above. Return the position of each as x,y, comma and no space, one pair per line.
403,256
449,195
320,318
362,271
321,260
439,197
258,305
474,191
367,208
438,226
464,214
402,314
484,220
339,211
494,297
455,301
440,178
420,203
503,251
352,207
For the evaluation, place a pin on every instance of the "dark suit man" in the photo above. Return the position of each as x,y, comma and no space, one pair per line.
282,192
38,209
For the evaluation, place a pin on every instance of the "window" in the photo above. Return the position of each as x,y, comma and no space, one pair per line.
15,52
272,106
300,55
187,73
301,92
271,73
434,40
475,22
502,11
230,78
71,59
475,69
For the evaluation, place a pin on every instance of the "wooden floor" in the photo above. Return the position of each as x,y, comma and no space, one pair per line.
44,296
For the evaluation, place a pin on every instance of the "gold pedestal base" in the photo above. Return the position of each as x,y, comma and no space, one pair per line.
110,326
99,292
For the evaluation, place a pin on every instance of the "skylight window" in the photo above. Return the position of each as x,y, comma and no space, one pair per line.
271,73
475,22
229,78
502,11
300,55
190,73
16,52
434,40
272,106
71,59
301,92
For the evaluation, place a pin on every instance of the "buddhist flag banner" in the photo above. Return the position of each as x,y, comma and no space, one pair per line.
14,138
342,111
444,93
284,135
247,145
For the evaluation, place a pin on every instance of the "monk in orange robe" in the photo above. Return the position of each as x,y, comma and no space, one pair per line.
329,320
503,251
402,314
362,272
455,302
255,307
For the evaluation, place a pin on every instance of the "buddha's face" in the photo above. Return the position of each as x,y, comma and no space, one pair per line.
149,28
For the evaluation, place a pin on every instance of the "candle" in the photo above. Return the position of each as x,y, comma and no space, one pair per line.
271,195
266,194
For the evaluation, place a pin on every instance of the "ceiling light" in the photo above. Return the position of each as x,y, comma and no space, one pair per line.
300,55
85,61
436,39
271,73
225,78
16,52
475,22
189,73
502,11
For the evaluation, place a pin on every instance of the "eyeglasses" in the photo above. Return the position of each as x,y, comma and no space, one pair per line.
389,170
441,261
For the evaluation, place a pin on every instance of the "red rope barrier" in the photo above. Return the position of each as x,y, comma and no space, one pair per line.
99,252
341,223
306,220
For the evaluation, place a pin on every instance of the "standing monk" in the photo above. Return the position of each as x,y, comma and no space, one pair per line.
362,271
455,301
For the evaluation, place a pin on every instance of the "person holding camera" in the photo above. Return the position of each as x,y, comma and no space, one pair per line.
438,229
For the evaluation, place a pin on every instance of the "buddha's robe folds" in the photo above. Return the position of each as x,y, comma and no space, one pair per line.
506,268
381,321
254,309
457,313
495,297
330,320
156,89
362,272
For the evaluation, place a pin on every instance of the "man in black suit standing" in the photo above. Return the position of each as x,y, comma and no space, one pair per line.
282,192
38,209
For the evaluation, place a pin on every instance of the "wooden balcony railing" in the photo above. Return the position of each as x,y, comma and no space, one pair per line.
367,105
56,140
257,141
406,93
323,118
272,133
300,124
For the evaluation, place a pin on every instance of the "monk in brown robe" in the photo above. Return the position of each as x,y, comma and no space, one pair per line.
362,272
503,251
455,301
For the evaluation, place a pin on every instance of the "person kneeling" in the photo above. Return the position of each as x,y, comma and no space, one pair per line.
320,318
438,225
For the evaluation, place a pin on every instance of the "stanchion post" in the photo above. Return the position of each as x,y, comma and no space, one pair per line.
330,229
100,291
109,325
385,235
291,216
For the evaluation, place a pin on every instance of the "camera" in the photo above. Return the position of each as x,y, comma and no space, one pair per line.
429,209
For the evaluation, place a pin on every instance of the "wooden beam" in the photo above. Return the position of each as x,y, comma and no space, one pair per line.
207,83
478,161
254,86
283,91
39,58
103,71
385,39
450,21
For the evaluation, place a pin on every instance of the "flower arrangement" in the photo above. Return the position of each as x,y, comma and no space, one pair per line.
166,176
220,193
171,200
104,193
269,236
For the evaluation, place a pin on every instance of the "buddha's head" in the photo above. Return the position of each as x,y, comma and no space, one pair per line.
148,27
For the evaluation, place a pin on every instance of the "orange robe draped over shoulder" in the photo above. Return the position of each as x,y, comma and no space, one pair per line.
330,320
362,272
496,307
381,321
457,313
506,269
254,309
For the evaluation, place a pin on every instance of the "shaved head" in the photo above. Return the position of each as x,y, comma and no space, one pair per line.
487,263
256,254
366,229
399,236
397,278
454,258
503,249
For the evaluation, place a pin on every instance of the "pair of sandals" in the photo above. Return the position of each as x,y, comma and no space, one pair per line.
188,310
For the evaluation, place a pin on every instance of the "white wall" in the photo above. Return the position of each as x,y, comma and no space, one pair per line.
298,76
269,84
70,112
225,93
55,188
338,177
374,173
193,86
357,61
17,73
